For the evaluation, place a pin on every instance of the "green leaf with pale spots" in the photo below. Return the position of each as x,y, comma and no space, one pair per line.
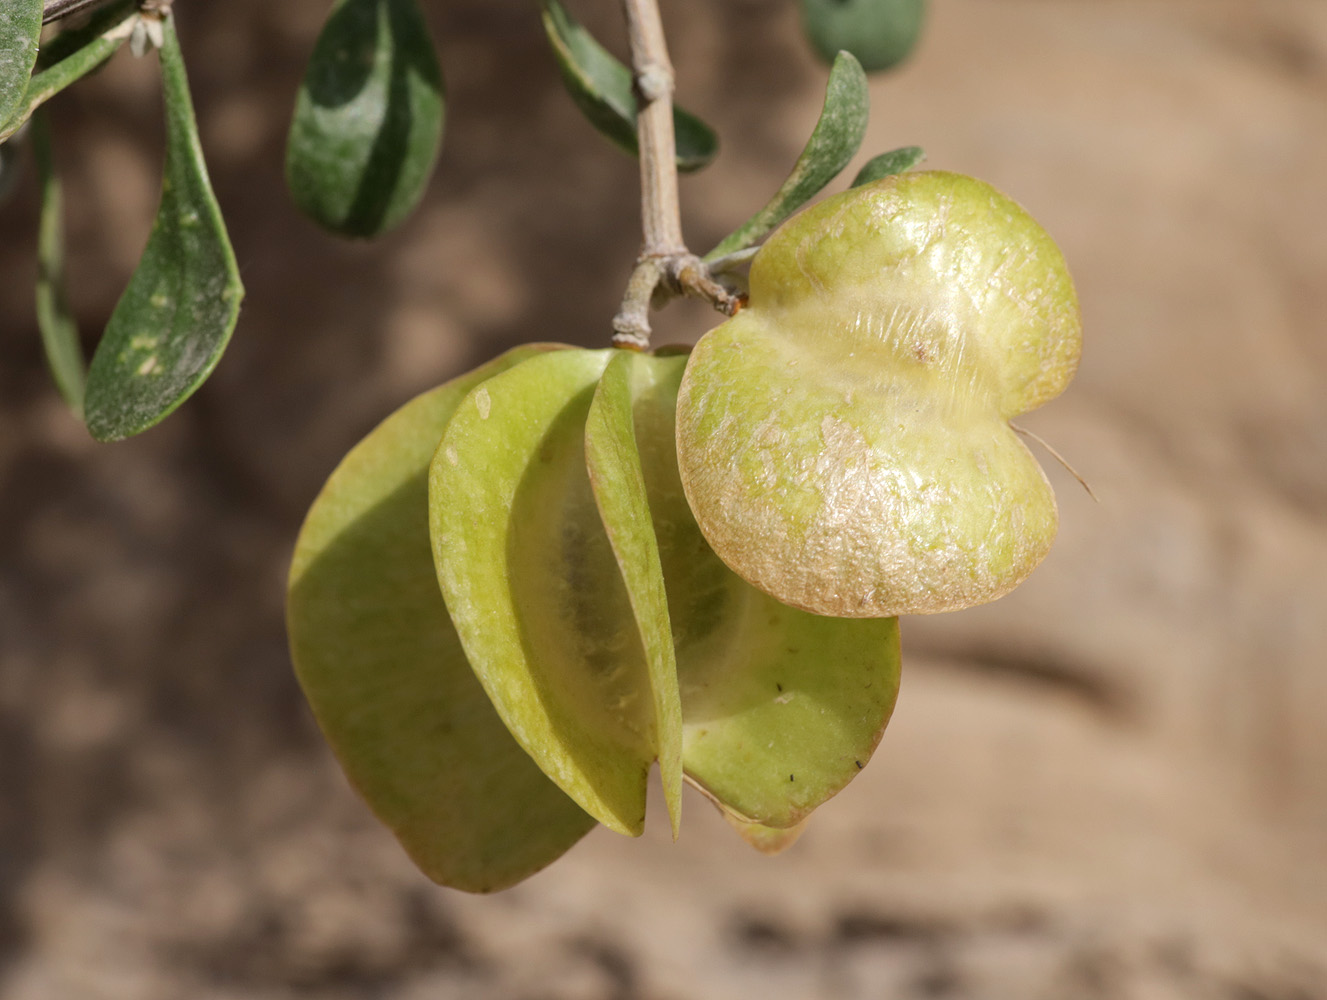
780,708
383,669
174,320
880,33
20,31
532,584
614,464
896,161
368,119
602,88
834,141
59,332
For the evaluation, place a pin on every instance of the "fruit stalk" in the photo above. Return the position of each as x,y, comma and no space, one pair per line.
53,10
664,265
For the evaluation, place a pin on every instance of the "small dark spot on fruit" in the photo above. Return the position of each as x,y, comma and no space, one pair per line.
791,778
859,764
779,686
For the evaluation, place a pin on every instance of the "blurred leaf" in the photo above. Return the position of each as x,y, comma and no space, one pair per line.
20,31
834,141
368,119
602,88
383,669
59,332
614,463
67,58
173,322
880,33
533,586
896,161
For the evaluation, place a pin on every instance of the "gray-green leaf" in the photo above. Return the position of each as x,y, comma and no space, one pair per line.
67,58
59,332
896,161
368,120
834,141
20,30
602,88
175,318
880,33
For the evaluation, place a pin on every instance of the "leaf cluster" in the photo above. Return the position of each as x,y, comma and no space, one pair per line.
365,137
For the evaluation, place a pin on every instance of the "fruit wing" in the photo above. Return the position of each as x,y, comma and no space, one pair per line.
383,669
614,463
532,584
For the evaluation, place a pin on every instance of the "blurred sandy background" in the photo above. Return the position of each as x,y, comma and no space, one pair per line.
1112,784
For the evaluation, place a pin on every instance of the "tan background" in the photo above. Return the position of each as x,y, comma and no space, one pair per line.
1112,784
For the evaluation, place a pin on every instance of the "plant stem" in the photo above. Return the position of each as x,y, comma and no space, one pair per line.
665,265
56,9
660,212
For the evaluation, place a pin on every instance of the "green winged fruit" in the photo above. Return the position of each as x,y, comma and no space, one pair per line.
503,614
844,441
604,630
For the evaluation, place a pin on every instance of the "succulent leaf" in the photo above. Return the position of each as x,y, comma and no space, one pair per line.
896,161
368,119
173,322
834,141
880,33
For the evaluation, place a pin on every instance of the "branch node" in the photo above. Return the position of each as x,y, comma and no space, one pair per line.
654,81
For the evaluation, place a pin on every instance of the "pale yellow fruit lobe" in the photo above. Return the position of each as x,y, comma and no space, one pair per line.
844,441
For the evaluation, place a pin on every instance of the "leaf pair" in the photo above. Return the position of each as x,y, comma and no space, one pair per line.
581,594
173,322
834,142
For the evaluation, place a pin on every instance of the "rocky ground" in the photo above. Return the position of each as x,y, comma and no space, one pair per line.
1111,785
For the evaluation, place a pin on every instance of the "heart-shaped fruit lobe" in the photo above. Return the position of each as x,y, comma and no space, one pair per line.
844,440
